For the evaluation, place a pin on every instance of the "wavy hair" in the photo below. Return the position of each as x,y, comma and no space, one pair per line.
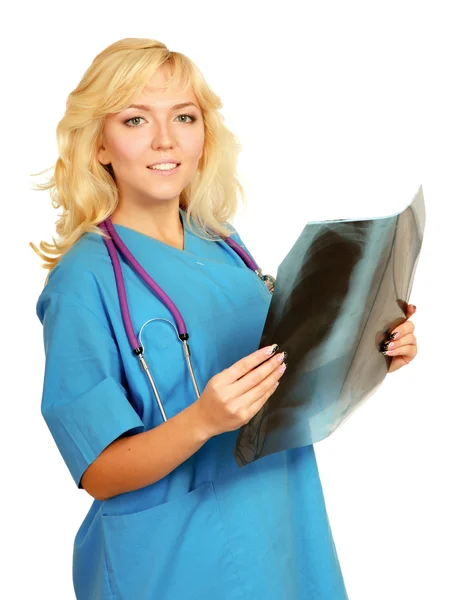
86,189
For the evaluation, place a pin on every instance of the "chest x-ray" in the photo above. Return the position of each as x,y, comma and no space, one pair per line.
341,289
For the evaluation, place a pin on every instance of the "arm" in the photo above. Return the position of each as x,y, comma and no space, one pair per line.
87,408
98,432
133,462
230,399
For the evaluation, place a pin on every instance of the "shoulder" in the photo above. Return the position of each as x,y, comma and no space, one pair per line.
237,238
78,275
233,233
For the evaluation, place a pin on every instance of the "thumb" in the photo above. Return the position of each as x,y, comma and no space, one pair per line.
410,311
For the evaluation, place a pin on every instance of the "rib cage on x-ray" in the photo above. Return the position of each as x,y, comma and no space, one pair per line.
339,291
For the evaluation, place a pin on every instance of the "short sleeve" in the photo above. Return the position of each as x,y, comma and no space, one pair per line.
84,401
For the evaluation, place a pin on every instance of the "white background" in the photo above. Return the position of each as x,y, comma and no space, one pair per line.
343,110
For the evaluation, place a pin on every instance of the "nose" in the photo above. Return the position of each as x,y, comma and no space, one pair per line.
162,136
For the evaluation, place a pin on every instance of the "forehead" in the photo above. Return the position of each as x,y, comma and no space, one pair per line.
156,90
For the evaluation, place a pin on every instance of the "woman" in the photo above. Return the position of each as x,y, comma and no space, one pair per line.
173,516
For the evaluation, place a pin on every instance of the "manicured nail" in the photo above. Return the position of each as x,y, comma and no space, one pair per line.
282,356
393,336
387,352
282,368
272,349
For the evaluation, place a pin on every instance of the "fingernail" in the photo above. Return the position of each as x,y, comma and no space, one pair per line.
414,306
393,336
272,349
282,368
282,356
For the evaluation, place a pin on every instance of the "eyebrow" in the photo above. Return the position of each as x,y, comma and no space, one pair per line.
148,108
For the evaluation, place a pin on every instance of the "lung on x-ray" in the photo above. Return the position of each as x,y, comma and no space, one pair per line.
341,289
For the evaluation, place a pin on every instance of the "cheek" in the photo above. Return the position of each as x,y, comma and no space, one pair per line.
192,142
129,153
127,150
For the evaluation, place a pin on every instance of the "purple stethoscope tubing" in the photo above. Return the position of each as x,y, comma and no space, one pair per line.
115,240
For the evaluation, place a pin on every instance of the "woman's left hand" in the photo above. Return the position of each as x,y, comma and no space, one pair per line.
403,346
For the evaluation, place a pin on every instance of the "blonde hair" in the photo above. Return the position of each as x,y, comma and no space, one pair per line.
86,189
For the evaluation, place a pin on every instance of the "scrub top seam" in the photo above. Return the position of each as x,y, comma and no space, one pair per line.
108,568
69,436
73,300
241,583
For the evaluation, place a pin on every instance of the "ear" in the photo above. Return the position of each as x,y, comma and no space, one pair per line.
102,156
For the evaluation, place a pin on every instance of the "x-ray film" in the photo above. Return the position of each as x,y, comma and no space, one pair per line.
341,289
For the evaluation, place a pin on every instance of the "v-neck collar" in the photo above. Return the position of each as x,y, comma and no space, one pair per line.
187,234
194,247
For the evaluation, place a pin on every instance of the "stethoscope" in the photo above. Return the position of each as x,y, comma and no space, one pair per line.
183,336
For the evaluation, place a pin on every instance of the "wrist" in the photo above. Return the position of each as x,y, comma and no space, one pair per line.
199,422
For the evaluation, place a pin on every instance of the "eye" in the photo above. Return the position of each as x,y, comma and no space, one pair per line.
189,116
128,122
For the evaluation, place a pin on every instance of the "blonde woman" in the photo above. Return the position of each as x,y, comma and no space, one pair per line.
173,517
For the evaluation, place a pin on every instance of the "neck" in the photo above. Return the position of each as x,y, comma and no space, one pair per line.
159,222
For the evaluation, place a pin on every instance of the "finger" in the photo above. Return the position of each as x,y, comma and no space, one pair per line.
256,393
409,351
402,330
410,311
255,407
409,338
246,364
398,362
259,375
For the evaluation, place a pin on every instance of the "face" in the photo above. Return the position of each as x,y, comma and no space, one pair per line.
135,138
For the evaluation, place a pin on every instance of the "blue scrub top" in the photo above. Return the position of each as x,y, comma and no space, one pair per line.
209,529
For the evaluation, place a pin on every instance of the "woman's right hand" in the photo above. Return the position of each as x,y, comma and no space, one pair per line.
232,397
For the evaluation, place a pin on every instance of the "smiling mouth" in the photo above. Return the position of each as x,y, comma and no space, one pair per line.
164,166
